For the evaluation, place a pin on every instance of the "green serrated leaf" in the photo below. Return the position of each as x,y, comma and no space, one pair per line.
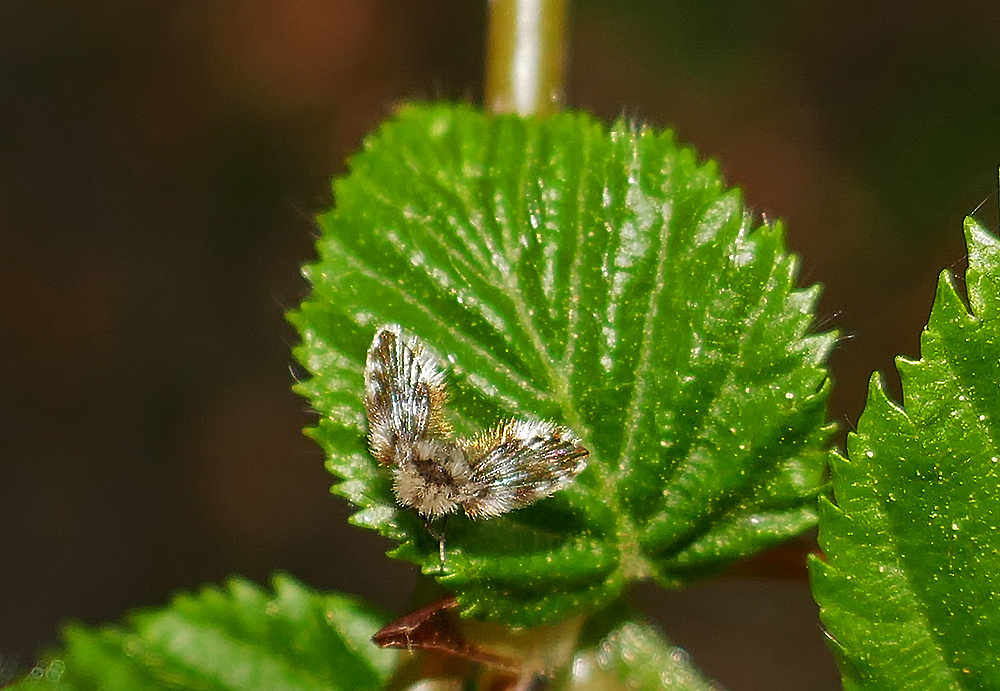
912,577
239,638
602,279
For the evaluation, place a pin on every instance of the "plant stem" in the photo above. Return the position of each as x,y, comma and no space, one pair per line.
525,56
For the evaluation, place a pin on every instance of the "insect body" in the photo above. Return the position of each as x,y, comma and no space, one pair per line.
511,465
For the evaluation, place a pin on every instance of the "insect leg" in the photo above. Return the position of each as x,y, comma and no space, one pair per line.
438,534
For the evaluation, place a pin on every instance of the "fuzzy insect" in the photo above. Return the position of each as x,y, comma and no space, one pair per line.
511,465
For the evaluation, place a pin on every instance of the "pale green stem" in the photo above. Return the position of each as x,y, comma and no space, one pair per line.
525,56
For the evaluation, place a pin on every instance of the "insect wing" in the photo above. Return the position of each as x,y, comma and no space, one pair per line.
518,463
404,393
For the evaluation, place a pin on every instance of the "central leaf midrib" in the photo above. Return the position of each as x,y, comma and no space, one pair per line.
556,376
634,563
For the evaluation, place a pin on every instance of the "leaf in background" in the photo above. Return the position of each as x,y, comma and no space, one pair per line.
604,280
635,656
240,638
910,586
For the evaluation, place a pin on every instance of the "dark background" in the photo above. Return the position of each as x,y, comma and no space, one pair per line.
160,163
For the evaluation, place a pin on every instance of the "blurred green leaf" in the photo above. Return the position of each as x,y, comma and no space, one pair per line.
634,656
912,577
238,638
603,279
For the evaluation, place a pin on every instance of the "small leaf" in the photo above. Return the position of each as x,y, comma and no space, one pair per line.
635,656
603,280
910,585
240,638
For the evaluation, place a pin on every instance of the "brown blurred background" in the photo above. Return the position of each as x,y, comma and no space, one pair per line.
159,166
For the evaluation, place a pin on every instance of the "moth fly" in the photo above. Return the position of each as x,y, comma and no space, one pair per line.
508,466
